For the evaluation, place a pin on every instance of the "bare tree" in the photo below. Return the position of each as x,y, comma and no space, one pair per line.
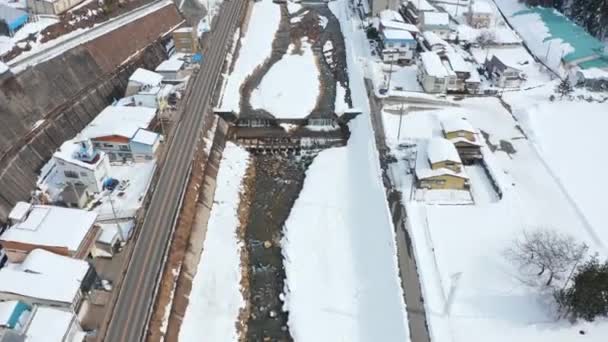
546,255
485,38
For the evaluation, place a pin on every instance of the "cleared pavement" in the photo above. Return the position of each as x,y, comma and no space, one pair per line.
133,308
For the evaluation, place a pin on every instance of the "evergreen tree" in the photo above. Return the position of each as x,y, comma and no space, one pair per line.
587,298
564,88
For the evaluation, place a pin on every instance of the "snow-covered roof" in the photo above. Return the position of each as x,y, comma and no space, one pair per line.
68,152
480,6
422,5
433,39
423,168
44,262
170,65
397,35
19,211
41,286
146,77
145,137
52,226
448,68
397,25
440,149
432,64
49,324
594,73
184,30
457,63
119,120
455,124
435,19
391,15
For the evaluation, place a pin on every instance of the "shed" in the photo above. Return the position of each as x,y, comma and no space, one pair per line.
11,19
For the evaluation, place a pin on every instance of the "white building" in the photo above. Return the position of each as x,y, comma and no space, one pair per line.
413,10
149,97
46,279
50,7
435,43
480,14
142,79
172,70
397,45
377,6
64,231
52,324
114,129
431,73
436,22
78,163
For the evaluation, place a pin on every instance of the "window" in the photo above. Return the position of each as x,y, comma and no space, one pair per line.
403,44
83,174
70,174
108,145
124,147
96,144
461,134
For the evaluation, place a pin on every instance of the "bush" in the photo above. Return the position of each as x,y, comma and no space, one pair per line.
587,298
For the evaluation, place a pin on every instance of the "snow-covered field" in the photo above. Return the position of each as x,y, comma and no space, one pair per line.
290,88
216,298
488,302
339,246
256,46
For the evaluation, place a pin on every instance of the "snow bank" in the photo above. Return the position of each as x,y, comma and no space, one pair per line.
290,88
339,245
215,299
256,46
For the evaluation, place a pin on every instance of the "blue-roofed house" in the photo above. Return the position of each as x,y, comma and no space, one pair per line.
11,20
397,45
562,40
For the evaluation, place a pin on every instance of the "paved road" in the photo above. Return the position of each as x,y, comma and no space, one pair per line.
408,271
137,293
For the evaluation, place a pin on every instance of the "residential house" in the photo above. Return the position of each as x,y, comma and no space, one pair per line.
377,6
461,68
53,324
112,236
143,79
149,97
451,78
464,137
436,22
431,73
48,279
113,132
384,24
78,163
480,14
397,45
186,40
11,20
502,74
434,43
593,79
74,195
64,231
172,70
473,83
412,10
438,166
51,7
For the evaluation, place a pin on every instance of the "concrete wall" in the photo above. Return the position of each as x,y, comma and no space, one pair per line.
67,92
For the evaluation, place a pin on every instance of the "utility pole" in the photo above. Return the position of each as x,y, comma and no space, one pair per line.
120,232
400,119
390,74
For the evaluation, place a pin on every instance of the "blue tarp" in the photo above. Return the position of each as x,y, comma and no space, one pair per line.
13,17
197,58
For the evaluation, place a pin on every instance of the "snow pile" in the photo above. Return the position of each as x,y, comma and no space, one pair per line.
293,7
215,299
34,27
290,88
256,46
339,244
340,105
